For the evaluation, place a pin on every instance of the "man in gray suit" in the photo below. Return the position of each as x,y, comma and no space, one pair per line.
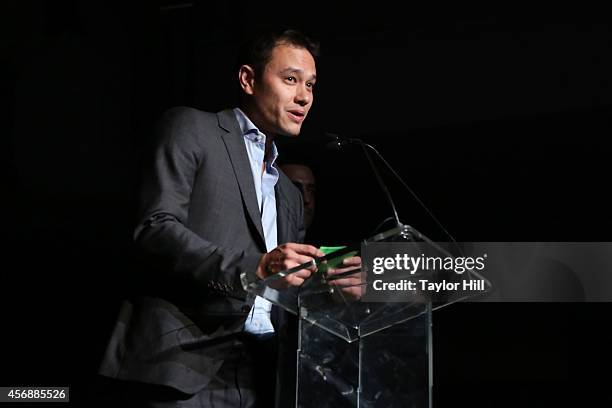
217,214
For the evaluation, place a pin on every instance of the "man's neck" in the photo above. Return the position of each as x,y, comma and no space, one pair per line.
268,149
269,136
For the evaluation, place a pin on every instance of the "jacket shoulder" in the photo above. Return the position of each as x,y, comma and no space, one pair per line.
181,116
183,125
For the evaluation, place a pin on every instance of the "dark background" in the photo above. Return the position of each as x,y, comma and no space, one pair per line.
498,119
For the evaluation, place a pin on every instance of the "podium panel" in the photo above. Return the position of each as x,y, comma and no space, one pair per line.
359,350
389,368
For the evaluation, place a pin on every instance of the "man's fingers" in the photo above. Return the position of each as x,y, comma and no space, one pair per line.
346,282
294,280
302,273
304,249
300,259
335,271
290,259
290,255
352,261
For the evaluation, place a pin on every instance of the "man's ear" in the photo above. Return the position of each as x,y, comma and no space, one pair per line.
246,77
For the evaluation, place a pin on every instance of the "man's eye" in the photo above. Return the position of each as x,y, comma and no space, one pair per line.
299,185
291,79
310,84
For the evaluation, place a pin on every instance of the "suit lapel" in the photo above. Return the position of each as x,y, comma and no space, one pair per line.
236,150
282,212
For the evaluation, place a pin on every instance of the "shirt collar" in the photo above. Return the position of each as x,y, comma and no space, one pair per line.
252,133
247,127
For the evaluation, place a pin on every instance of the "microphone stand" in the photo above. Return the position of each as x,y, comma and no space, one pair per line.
406,231
338,142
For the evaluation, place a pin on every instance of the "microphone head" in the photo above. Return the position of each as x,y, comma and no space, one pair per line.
334,145
338,141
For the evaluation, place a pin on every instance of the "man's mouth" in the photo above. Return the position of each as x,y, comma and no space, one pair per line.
297,115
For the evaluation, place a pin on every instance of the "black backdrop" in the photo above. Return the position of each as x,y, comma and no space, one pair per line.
497,119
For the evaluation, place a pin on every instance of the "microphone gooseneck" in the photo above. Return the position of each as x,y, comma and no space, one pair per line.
339,142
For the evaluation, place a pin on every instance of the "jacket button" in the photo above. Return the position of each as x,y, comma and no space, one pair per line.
245,308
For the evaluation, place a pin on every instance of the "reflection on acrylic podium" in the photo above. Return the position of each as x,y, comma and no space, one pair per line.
358,353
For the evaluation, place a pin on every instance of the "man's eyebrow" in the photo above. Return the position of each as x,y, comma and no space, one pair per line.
292,70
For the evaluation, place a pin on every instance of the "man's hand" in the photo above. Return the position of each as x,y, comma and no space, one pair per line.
287,256
352,283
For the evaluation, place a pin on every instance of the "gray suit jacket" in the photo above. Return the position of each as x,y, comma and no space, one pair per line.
201,225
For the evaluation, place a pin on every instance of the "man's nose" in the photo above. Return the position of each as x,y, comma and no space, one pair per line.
309,197
303,96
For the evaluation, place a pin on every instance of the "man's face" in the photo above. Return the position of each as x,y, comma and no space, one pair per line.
303,178
282,94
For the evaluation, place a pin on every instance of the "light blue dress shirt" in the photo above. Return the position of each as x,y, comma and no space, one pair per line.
258,321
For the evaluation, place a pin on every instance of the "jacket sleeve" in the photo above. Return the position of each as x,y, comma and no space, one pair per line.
162,234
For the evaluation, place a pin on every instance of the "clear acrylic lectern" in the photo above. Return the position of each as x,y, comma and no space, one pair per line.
357,353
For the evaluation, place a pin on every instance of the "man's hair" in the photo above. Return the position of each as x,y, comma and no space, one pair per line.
257,51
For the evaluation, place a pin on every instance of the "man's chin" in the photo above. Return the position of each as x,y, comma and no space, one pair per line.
290,132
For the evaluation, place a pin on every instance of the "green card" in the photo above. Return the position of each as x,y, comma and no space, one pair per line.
334,262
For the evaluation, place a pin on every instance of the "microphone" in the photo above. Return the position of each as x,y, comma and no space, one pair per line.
408,232
339,142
